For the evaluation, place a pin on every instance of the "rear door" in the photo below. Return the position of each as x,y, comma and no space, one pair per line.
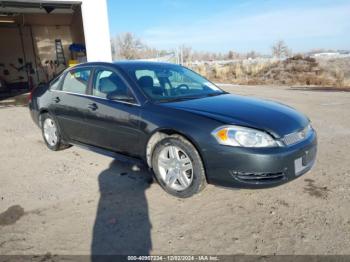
71,103
114,123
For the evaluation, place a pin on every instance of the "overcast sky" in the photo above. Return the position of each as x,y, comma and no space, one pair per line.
222,25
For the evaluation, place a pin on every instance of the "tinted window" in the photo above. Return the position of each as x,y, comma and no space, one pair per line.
76,81
147,73
189,80
170,82
108,84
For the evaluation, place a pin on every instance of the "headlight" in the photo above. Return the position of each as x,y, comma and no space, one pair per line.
243,137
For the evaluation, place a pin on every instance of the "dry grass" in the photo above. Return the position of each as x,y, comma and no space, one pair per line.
294,71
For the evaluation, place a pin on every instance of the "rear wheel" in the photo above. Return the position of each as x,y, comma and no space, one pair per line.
51,133
178,167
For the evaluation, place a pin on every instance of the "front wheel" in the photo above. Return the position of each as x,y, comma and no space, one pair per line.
178,167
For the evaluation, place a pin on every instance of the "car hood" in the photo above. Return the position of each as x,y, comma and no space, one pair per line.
275,118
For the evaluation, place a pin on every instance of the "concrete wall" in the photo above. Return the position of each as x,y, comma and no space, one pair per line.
10,51
44,41
36,51
77,28
96,28
90,23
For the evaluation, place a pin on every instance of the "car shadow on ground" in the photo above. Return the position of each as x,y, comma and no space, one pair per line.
122,224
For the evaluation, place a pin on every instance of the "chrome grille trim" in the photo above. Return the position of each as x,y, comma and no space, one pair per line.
296,137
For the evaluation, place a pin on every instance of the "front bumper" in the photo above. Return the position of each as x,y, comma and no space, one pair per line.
259,167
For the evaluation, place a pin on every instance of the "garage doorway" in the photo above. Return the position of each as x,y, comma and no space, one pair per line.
38,41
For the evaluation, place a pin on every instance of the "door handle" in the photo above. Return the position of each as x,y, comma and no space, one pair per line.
93,106
57,99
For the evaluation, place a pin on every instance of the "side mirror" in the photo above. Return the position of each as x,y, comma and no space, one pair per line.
121,97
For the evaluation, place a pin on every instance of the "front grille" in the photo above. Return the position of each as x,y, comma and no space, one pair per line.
257,178
296,137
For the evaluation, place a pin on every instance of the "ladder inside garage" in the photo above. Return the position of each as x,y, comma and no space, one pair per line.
61,60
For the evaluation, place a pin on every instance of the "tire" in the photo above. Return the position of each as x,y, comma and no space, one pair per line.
48,128
173,160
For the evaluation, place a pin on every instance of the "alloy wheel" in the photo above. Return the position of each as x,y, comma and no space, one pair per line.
175,168
50,132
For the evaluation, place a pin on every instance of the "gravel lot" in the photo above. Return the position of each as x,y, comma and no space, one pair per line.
79,202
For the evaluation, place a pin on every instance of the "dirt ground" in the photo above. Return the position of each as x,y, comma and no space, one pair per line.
79,202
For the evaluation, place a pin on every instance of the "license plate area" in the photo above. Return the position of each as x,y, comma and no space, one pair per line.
304,162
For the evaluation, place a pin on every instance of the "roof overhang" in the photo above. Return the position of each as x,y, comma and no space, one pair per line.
38,7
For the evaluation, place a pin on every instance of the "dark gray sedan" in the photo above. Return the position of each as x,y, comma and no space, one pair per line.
185,128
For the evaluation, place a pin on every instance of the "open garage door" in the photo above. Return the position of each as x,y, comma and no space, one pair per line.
38,41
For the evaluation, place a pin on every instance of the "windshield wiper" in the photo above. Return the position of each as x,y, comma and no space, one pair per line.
184,98
217,94
177,99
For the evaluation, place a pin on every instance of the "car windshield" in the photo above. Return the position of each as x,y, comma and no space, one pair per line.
164,83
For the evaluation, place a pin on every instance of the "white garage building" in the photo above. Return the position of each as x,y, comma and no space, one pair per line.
39,38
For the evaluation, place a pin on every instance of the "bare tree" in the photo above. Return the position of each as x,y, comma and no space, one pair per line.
187,53
280,49
127,46
252,55
232,55
148,52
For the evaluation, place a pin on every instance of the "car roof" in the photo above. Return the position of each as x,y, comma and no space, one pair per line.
125,64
